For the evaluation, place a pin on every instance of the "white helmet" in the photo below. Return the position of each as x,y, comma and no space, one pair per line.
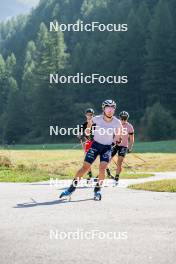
108,103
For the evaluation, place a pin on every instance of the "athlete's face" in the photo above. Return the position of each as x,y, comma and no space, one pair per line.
123,120
89,116
109,111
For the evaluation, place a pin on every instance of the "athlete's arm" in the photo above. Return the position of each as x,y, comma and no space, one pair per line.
131,141
118,135
81,132
89,127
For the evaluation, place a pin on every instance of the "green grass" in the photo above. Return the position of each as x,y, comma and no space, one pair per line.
139,147
16,175
23,174
30,163
8,175
156,186
168,146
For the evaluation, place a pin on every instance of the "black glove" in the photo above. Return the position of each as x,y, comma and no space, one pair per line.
118,142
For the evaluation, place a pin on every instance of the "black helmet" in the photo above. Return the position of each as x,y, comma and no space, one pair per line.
108,103
124,115
89,111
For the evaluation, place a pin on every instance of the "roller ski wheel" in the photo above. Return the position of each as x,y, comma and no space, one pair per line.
97,196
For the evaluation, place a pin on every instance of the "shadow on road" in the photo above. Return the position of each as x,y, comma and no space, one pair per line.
62,188
34,203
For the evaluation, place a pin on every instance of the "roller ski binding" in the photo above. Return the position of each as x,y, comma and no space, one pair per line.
67,193
116,180
97,194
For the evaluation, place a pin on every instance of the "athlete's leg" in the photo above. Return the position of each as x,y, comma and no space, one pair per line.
80,173
89,173
102,168
113,153
121,155
105,157
97,190
108,173
87,147
89,159
119,165
85,167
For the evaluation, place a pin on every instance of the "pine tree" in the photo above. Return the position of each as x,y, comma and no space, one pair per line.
51,57
158,75
15,121
132,65
2,78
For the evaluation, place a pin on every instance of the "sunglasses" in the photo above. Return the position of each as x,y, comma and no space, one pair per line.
89,115
110,108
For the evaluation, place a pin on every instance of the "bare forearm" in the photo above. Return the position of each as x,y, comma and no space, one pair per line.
131,141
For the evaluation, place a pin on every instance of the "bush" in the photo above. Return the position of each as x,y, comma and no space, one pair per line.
5,162
157,124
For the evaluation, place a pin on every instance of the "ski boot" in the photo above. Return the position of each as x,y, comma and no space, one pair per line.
110,176
89,177
116,179
97,194
67,193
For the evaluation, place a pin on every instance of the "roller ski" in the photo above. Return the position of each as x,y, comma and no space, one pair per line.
67,193
97,194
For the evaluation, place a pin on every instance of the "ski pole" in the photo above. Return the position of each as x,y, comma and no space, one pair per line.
82,144
129,167
139,157
77,145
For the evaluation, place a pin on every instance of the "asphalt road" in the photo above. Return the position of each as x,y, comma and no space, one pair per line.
127,226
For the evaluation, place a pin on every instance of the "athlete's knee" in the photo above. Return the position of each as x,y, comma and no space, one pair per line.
120,164
103,166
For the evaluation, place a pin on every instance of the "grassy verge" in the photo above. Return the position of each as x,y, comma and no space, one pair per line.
14,171
8,175
35,175
39,165
156,186
69,161
168,146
